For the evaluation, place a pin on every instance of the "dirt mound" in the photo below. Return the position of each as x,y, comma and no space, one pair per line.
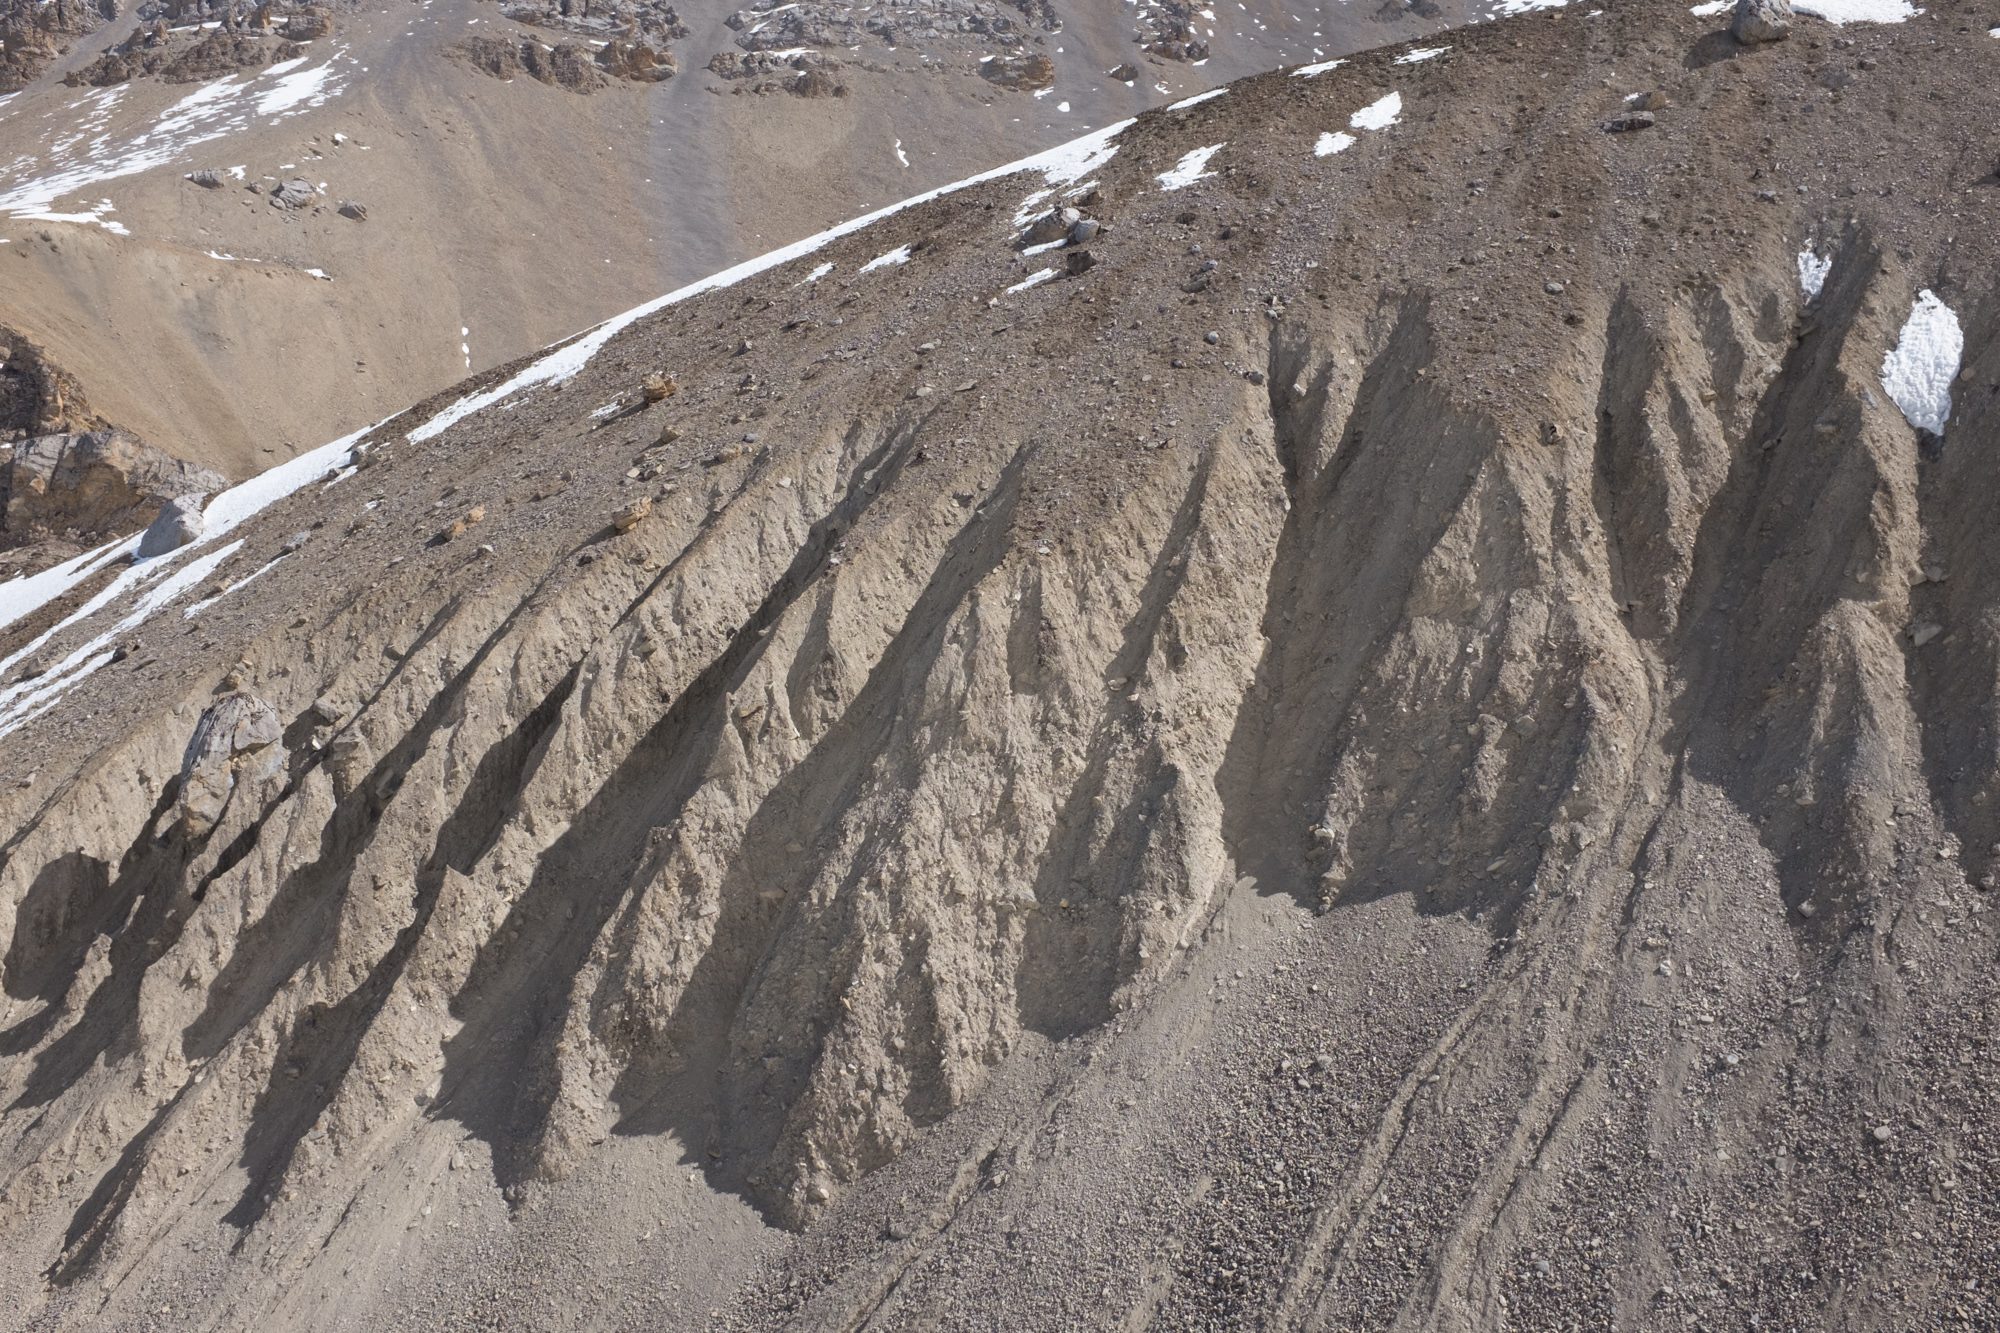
1410,742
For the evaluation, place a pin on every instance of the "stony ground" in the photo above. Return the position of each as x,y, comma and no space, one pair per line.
1408,746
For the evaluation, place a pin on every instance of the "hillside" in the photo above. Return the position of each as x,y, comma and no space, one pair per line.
172,180
1399,735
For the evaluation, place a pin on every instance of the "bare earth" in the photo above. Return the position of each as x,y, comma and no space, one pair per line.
1465,801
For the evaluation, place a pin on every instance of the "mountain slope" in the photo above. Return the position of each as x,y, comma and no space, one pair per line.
1408,746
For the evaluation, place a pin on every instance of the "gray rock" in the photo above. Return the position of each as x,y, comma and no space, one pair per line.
294,193
1631,120
1051,226
1084,232
208,178
179,523
354,208
236,737
1762,21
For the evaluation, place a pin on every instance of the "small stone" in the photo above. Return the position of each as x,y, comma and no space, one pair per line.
1211,337
1630,121
658,387
1883,1133
1808,909
354,209
1553,288
632,514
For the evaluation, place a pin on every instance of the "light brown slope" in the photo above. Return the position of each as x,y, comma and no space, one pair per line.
1317,834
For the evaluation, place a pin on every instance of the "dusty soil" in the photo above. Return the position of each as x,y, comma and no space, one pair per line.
1463,800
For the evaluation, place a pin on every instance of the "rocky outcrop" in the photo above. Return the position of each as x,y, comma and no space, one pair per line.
178,47
1023,73
568,65
38,397
34,33
92,484
236,743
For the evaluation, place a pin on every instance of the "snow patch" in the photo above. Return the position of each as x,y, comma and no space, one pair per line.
1033,279
1812,272
1197,99
1379,114
1337,142
1421,54
1191,168
1918,371
1838,12
1314,71
899,255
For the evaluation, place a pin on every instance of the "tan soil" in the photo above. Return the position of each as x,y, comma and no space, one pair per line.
1049,822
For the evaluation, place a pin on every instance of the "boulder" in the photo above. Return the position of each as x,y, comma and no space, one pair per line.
294,193
1762,21
1053,225
179,523
237,737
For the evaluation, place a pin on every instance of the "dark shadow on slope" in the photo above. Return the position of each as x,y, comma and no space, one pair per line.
518,987
1354,539
67,907
1070,960
1779,694
322,1045
152,909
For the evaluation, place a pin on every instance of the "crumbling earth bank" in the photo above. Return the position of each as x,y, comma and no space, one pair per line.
1429,805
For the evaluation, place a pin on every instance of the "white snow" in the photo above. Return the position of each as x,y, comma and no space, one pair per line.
1859,11
87,157
901,156
198,607
899,255
1918,371
819,271
26,700
1314,71
1379,114
1062,165
1421,54
1813,271
1033,279
1046,246
1509,7
21,595
1711,8
1329,144
1197,99
1191,168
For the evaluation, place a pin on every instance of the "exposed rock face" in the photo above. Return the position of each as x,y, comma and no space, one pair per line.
34,32
1345,790
566,65
38,397
91,484
1024,73
175,45
235,744
1759,21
